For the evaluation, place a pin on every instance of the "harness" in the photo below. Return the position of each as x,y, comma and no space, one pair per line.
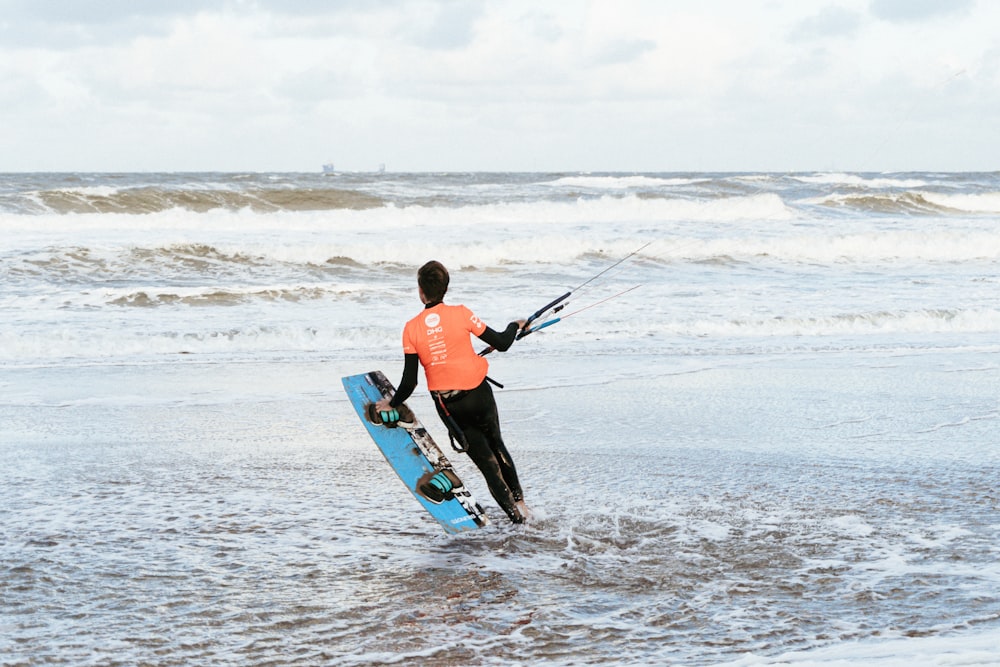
441,400
455,434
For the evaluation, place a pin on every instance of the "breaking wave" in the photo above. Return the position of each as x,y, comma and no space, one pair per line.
911,203
988,202
862,181
153,199
271,265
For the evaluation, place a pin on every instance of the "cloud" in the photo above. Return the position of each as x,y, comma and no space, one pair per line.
439,84
451,26
918,10
65,25
831,21
623,51
56,12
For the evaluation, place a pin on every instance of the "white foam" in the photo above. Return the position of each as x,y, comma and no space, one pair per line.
988,202
376,221
91,191
619,182
968,649
77,340
835,178
881,246
862,323
851,525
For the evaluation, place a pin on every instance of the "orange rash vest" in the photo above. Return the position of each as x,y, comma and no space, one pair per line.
440,337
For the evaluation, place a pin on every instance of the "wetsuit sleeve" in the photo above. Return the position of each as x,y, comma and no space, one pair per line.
501,341
409,381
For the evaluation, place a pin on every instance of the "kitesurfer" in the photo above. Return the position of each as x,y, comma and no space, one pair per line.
439,340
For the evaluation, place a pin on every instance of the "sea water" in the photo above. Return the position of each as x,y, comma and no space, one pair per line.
769,436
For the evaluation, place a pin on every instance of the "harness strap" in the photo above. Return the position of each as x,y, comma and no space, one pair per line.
455,434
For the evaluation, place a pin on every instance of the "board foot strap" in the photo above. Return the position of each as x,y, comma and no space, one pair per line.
401,416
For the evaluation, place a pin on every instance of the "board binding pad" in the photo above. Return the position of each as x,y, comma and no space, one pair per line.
415,457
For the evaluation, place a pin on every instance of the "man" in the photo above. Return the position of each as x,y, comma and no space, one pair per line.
439,340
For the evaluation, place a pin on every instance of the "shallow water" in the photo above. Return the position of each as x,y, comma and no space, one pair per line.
681,518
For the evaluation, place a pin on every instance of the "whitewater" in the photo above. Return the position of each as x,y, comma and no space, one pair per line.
769,437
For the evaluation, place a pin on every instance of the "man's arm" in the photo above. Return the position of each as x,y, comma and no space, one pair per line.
409,381
502,341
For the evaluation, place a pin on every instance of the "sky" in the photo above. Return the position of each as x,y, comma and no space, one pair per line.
501,85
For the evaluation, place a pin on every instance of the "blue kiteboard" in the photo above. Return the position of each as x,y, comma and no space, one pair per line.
415,457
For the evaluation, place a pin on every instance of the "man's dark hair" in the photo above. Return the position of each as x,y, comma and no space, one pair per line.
433,280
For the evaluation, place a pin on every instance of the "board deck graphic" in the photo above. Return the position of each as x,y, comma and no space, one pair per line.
416,458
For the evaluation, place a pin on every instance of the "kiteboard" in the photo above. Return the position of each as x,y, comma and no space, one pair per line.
415,457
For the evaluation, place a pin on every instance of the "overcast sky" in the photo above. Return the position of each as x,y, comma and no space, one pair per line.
532,85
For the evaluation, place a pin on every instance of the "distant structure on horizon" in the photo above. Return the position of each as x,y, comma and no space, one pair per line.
329,169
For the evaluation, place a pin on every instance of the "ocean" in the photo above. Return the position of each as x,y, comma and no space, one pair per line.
770,435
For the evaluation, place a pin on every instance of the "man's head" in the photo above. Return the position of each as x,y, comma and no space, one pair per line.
433,280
